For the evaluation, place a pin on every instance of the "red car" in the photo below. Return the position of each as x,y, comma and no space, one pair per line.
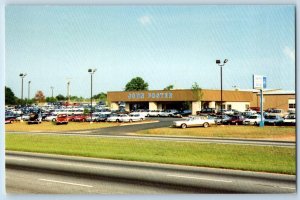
62,119
80,118
9,119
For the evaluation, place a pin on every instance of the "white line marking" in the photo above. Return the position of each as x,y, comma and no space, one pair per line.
76,184
290,188
22,159
205,179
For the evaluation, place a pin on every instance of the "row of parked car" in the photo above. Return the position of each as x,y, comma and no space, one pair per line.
255,119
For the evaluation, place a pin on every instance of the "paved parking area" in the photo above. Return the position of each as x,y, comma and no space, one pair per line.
121,130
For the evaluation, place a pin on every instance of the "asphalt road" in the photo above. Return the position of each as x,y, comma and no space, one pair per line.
40,173
128,128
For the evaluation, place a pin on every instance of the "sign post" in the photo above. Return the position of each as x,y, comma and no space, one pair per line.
260,82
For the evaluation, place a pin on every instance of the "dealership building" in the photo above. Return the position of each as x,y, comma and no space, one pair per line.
189,99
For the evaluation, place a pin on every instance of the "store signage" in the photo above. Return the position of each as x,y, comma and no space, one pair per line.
151,95
259,82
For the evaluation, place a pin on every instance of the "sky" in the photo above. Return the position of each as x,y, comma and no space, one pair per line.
165,45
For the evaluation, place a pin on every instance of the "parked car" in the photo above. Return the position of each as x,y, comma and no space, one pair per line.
154,113
278,112
252,120
80,118
208,111
9,119
35,118
289,119
221,118
273,120
183,113
51,117
132,118
62,119
116,117
235,119
168,113
204,121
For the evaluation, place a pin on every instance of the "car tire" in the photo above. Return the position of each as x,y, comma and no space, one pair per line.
130,120
117,120
53,119
255,123
205,125
12,121
183,125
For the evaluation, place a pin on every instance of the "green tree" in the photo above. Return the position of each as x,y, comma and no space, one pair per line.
136,84
100,97
60,97
10,98
197,92
51,99
169,87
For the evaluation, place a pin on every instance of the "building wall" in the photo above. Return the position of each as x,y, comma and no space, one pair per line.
280,101
240,106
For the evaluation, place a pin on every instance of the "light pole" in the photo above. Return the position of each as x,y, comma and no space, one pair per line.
92,71
52,90
218,62
68,83
22,75
29,89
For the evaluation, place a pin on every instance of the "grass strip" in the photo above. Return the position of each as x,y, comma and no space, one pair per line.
51,126
242,157
287,133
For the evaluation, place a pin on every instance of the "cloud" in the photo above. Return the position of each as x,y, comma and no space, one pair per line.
145,20
290,53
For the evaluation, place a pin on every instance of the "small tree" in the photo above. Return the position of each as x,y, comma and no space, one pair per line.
197,92
39,96
169,87
60,97
136,84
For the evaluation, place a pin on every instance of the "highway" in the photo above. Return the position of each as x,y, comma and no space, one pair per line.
44,173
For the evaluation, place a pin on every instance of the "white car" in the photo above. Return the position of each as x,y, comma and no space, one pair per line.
252,120
155,113
132,118
51,118
289,120
116,117
168,113
204,121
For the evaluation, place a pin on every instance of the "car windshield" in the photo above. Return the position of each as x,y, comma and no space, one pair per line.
270,117
253,117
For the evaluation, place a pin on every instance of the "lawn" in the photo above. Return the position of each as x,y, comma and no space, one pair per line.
287,133
50,126
242,157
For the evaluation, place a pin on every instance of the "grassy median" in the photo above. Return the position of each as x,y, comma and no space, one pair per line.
287,133
242,157
51,126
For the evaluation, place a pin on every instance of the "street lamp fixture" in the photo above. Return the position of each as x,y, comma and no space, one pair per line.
92,71
218,62
22,75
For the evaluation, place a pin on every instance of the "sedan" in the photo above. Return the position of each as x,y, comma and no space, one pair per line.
252,120
10,119
273,120
204,121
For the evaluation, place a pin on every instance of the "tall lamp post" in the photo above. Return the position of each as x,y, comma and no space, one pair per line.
52,90
29,90
92,71
218,62
68,83
22,75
